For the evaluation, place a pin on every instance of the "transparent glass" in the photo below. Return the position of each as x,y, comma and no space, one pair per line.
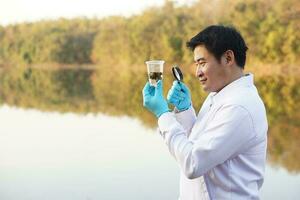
155,71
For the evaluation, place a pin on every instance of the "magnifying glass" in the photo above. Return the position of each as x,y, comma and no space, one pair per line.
177,73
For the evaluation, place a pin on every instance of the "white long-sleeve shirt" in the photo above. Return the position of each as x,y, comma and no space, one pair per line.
222,151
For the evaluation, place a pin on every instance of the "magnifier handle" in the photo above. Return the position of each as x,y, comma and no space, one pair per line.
180,82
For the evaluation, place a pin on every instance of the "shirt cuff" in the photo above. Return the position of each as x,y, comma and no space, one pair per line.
186,118
182,114
166,120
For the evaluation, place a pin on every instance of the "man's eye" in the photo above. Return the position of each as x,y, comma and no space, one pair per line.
202,64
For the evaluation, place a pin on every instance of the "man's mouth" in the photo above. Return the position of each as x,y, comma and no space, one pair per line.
202,80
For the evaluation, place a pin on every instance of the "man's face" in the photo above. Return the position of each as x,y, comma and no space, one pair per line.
210,71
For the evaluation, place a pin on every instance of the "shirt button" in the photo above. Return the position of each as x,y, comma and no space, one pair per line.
212,175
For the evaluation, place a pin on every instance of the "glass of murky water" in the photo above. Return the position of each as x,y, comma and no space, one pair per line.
155,71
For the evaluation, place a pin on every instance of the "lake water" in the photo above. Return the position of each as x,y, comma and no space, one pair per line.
53,156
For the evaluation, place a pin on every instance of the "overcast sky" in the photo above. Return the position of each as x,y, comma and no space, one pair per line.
14,11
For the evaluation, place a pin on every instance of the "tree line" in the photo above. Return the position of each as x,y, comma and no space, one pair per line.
270,28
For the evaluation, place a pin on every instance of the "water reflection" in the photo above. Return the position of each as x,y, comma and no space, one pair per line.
55,156
92,90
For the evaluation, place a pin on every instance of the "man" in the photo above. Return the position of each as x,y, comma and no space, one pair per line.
222,151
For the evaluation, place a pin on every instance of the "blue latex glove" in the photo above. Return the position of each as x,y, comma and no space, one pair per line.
153,99
180,96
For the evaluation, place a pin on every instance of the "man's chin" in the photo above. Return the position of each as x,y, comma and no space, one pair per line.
205,88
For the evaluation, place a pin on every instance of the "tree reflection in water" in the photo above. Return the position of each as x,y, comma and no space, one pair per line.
114,93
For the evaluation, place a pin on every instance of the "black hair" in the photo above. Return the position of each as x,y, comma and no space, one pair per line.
217,39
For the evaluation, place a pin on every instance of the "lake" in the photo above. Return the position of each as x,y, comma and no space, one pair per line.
54,156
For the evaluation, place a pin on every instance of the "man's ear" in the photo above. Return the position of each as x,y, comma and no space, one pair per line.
229,57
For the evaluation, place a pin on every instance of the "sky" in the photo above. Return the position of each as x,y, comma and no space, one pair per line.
16,11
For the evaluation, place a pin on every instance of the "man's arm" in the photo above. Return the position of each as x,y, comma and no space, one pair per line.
186,118
227,133
179,95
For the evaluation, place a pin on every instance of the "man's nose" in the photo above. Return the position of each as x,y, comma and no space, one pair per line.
198,71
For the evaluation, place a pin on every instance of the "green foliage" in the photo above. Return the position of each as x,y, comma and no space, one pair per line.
59,41
110,45
269,27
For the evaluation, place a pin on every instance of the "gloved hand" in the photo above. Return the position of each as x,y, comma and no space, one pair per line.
179,95
153,99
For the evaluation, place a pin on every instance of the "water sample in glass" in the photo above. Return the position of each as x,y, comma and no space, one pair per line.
155,71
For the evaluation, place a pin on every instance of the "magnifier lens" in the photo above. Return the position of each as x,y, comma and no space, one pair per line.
177,75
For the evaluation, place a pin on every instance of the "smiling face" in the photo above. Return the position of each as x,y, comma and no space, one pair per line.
212,73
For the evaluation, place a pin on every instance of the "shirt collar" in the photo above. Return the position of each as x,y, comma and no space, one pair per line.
244,81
